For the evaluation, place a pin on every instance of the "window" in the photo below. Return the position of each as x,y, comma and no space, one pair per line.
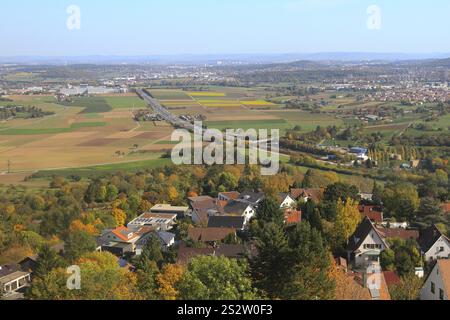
441,249
433,288
441,294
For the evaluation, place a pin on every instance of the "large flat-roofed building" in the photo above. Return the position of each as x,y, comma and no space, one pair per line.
169,209
159,221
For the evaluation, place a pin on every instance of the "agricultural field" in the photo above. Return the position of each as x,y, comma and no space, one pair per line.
87,132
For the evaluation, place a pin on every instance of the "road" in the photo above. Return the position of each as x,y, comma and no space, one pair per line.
163,112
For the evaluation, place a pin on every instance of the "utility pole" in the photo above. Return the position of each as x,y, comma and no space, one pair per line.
9,166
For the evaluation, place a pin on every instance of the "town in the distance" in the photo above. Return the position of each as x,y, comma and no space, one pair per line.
92,206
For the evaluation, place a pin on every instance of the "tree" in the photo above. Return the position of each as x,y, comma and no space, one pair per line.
408,288
387,259
401,201
340,191
308,266
151,252
146,279
269,211
168,280
429,207
79,243
216,278
269,267
101,279
120,216
47,260
347,220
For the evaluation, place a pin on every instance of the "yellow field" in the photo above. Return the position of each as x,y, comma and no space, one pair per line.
206,94
259,103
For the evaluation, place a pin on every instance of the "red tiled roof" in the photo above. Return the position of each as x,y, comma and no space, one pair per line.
371,212
121,232
232,195
293,216
391,277
399,233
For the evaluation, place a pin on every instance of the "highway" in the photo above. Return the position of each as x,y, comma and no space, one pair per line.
174,120
163,112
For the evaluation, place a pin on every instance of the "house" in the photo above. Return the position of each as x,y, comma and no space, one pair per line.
122,240
361,153
437,284
400,233
29,263
12,280
166,239
366,196
233,222
286,201
186,254
227,196
210,235
374,213
239,208
235,251
373,280
204,206
365,245
180,212
251,198
307,194
434,244
158,221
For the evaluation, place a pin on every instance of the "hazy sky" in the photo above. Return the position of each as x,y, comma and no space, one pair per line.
146,27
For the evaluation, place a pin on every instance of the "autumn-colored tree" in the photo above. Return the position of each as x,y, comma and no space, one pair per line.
347,220
172,193
78,225
167,281
101,279
120,216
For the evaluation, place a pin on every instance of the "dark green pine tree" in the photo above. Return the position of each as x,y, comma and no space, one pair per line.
47,260
268,268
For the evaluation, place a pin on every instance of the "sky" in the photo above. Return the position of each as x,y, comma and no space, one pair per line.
174,27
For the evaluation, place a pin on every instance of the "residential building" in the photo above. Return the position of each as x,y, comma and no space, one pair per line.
374,213
434,244
233,222
365,245
286,201
13,279
437,284
158,221
307,194
210,235
179,211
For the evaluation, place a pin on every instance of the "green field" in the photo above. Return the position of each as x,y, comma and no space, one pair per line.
249,124
90,104
125,102
73,127
108,168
